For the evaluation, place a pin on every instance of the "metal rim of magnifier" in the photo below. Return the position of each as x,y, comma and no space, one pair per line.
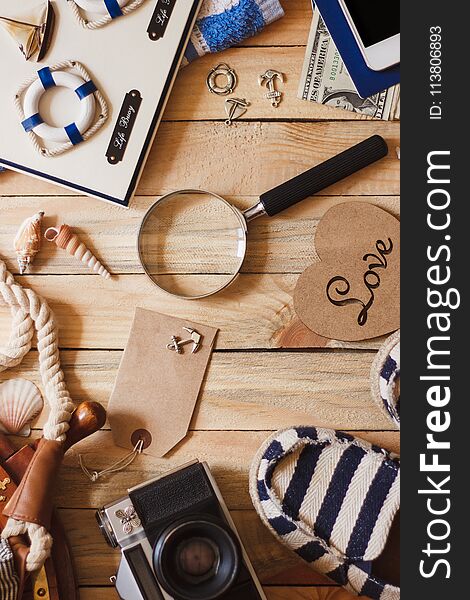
244,229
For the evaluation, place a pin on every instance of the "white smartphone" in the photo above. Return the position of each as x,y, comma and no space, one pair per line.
376,27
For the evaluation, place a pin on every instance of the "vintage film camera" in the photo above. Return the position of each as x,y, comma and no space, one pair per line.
178,541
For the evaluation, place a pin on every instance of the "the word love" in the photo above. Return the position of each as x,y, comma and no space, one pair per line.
339,287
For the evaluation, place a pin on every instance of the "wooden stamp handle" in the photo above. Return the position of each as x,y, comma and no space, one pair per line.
87,418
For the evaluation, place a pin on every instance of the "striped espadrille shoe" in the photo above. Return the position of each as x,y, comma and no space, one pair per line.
385,378
332,499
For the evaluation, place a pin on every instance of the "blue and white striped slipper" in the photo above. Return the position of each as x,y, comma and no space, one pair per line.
385,378
331,498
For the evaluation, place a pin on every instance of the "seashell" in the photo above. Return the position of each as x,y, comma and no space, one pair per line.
20,403
28,241
67,240
31,29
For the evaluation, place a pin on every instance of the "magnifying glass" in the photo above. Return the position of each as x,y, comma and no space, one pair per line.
192,243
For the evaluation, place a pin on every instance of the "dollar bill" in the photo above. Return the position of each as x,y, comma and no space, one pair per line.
326,80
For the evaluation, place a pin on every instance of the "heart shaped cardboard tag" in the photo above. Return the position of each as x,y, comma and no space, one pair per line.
353,292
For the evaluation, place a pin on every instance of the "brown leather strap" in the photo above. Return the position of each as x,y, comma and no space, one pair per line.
18,463
36,468
6,448
32,501
65,586
20,552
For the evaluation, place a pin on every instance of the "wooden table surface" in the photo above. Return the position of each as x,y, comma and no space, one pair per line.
264,373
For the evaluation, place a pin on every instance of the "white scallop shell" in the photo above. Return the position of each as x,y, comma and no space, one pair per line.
20,403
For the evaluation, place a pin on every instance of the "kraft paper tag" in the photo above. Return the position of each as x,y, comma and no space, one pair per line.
353,292
156,389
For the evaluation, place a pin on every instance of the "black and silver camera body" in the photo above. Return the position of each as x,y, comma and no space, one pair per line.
178,541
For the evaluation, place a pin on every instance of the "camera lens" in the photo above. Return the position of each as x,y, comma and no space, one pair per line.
196,559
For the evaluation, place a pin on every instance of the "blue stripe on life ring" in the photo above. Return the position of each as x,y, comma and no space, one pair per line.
32,122
86,89
74,135
113,8
46,78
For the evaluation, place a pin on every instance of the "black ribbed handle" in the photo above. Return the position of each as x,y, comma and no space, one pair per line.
326,173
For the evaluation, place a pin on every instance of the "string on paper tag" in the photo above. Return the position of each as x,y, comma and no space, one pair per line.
120,465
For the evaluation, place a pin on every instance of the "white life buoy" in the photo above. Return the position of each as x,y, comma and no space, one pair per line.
99,7
47,132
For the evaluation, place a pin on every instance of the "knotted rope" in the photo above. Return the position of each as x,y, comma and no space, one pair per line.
31,313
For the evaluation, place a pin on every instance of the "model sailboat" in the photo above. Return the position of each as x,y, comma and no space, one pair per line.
32,30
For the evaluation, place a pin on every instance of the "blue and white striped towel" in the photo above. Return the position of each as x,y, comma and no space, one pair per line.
225,23
332,499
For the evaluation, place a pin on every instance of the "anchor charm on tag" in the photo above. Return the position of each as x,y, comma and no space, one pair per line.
268,79
235,108
176,344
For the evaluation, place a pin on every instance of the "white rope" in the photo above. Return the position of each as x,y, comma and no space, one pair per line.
40,541
31,314
103,20
61,148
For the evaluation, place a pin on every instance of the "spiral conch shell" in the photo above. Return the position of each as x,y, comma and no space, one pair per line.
28,241
20,403
64,238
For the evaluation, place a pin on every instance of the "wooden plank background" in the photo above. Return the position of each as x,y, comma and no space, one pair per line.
264,374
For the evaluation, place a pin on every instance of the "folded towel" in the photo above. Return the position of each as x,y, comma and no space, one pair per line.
225,23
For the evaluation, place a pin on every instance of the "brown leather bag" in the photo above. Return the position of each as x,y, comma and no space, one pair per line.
34,469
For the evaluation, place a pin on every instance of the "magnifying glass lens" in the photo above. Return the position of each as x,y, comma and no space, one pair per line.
192,243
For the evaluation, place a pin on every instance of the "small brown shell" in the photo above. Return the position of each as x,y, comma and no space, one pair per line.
28,240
